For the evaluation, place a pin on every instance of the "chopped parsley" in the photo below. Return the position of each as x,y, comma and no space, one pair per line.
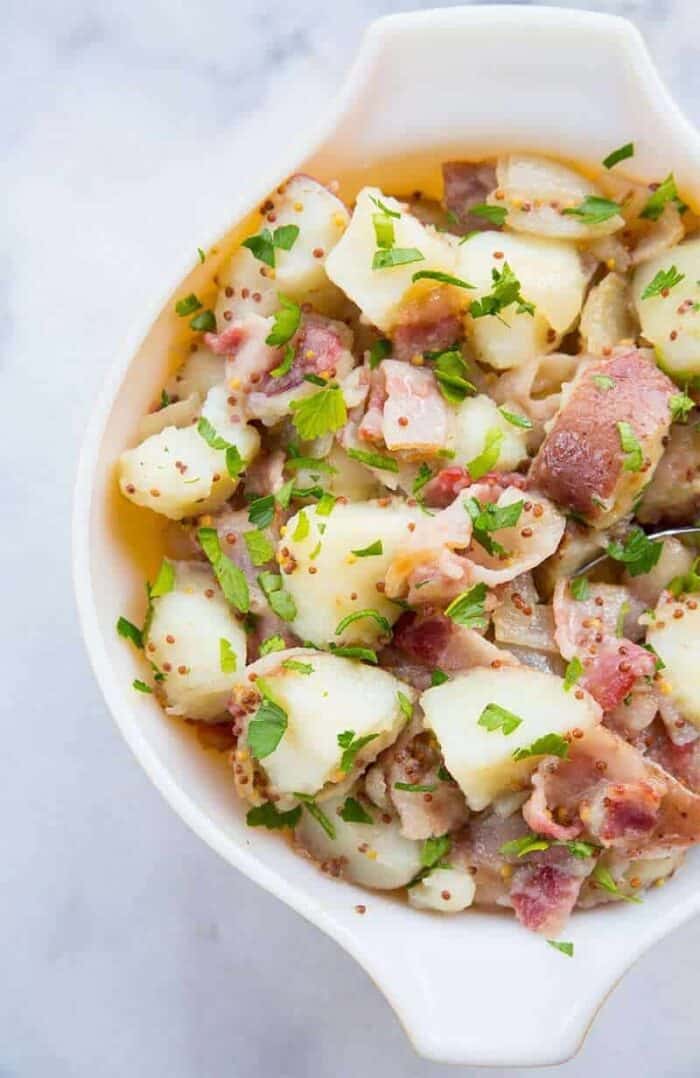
564,946
663,281
357,615
634,458
396,256
200,254
371,551
280,601
505,292
259,547
204,322
141,686
518,847
287,319
302,529
261,511
656,203
227,657
688,582
405,704
451,374
234,461
443,278
638,553
129,631
494,717
318,814
680,405
320,413
266,729
488,517
620,620
267,815
621,154
604,381
580,588
264,244
573,672
299,667
515,419
382,206
438,677
272,643
353,652
580,849
165,399
380,350
416,787
547,745
432,853
424,476
188,305
383,231
468,608
353,812
351,745
488,458
325,504
164,582
496,215
231,579
594,210
374,460
604,878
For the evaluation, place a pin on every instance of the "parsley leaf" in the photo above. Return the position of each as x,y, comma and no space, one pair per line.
547,745
434,849
424,476
573,672
488,458
468,608
266,729
318,814
267,815
200,254
451,374
518,847
438,677
231,579
374,460
286,365
379,351
688,582
272,643
234,461
353,652
287,319
285,237
594,210
261,511
204,322
604,381
165,580
357,615
443,278
302,529
494,717
604,878
384,208
371,551
263,245
580,588
663,281
416,787
299,667
505,291
383,230
621,154
259,547
227,657
321,413
129,631
488,517
353,812
564,946
495,214
621,616
656,203
140,686
680,405
280,601
580,849
396,256
405,704
634,458
516,420
637,552
188,305
325,504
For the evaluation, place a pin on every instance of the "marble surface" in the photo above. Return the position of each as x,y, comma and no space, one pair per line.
128,948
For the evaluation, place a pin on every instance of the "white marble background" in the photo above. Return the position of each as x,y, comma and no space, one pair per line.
127,948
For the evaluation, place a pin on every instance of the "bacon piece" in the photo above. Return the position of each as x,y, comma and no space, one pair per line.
320,345
434,640
581,463
681,761
248,357
587,629
414,338
415,413
538,816
370,428
444,487
674,493
427,567
544,891
467,184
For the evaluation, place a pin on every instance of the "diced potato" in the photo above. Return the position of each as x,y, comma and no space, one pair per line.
343,582
351,479
379,293
177,474
298,273
334,696
535,190
675,637
184,641
481,760
473,419
182,413
448,890
201,371
374,855
607,318
675,336
551,277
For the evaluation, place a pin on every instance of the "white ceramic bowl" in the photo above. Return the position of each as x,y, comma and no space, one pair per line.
476,988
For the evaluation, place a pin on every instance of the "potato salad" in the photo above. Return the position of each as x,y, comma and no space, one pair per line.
405,427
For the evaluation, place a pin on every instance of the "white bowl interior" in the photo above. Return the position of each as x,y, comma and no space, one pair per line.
458,82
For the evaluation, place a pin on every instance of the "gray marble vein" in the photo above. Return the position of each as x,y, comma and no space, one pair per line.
128,949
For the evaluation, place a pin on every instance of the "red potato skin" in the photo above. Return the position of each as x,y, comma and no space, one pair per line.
581,461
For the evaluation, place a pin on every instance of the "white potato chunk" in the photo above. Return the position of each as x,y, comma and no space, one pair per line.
448,890
351,479
535,190
675,636
184,641
343,582
551,277
247,284
374,855
177,473
324,697
481,760
473,419
201,371
379,293
675,336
